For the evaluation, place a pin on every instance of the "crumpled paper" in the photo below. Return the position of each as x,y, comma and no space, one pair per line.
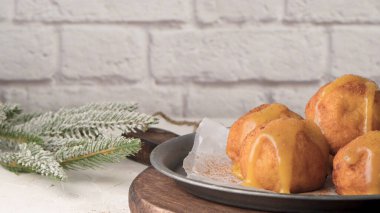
208,161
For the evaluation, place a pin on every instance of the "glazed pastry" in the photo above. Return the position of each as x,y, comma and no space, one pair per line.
248,122
345,109
357,166
286,155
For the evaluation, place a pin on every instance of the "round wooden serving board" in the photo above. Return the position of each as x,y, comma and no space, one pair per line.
153,192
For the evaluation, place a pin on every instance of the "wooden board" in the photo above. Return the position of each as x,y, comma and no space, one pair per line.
153,192
150,139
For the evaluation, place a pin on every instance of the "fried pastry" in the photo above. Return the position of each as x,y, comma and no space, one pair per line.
286,155
248,122
357,166
345,109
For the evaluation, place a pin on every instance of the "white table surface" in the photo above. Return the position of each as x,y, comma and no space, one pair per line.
100,190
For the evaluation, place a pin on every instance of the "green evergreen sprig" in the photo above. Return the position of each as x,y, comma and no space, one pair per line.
94,154
32,158
74,138
86,124
19,137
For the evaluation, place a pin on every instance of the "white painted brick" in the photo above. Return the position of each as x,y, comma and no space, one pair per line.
103,52
103,10
238,10
356,51
277,55
150,98
27,52
6,8
223,102
333,10
295,97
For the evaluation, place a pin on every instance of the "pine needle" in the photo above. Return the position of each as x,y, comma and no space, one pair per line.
11,114
96,153
32,158
99,107
22,118
19,137
11,110
87,124
3,116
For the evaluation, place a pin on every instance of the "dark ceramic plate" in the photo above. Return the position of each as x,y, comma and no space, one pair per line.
167,158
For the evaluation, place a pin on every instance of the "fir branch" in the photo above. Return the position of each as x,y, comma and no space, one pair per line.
32,158
3,115
92,154
18,137
73,138
11,110
54,144
13,115
22,118
87,124
99,107
6,146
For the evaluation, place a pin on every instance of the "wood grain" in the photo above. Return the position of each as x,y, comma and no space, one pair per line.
153,192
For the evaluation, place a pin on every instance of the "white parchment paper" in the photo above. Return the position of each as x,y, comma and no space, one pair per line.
209,162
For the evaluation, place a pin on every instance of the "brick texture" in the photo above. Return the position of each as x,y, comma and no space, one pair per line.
223,101
209,11
102,10
356,51
164,99
103,52
27,53
192,58
334,10
6,7
276,55
295,98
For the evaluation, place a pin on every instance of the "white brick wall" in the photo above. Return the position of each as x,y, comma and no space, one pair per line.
209,11
191,58
324,11
103,10
27,52
356,49
224,100
5,9
150,97
270,54
103,52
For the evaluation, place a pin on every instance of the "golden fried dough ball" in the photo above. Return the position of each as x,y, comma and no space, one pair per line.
357,166
248,122
345,109
286,155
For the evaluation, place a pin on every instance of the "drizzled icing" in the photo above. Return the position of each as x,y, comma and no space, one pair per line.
249,122
284,141
369,96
